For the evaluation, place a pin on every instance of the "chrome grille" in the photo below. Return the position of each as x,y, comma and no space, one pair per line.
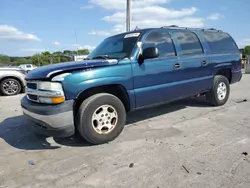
32,85
32,97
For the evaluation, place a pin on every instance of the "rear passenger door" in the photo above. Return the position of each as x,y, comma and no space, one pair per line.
193,61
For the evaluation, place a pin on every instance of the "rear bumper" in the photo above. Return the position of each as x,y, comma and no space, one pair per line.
50,120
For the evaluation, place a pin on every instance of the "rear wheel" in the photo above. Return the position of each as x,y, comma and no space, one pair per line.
101,118
220,91
10,86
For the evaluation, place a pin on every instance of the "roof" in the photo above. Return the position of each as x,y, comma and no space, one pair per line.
171,27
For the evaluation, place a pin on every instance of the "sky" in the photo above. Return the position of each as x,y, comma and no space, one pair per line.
33,26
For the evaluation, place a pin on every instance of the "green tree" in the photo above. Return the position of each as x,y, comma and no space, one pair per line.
55,58
67,52
36,59
57,53
65,58
83,52
247,50
21,61
4,60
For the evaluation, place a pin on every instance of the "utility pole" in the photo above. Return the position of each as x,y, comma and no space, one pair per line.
38,59
128,17
76,42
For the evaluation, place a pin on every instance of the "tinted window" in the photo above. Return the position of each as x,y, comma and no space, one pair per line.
120,46
162,41
189,43
28,66
220,42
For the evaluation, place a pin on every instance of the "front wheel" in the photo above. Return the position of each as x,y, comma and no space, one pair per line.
101,118
219,92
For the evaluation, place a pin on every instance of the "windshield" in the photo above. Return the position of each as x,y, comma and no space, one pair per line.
116,47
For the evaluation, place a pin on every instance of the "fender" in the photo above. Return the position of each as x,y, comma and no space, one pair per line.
78,82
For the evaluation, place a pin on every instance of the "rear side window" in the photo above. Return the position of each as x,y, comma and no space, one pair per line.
220,42
189,43
162,40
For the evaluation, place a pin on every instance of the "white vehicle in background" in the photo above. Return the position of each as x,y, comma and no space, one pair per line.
27,67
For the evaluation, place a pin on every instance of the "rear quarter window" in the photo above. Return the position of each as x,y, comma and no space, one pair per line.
220,42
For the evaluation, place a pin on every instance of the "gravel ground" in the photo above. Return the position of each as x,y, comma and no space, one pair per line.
183,144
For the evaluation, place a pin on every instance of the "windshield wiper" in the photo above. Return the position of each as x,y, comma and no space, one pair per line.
101,57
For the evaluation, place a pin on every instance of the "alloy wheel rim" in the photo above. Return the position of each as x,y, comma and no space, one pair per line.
10,87
222,91
104,119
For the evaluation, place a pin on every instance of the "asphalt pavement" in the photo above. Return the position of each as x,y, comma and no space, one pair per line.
179,145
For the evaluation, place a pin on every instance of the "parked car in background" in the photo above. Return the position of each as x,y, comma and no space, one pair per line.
12,81
127,72
27,67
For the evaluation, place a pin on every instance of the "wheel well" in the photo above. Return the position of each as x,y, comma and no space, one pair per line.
225,72
114,89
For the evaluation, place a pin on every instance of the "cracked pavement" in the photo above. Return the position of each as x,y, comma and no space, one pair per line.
183,144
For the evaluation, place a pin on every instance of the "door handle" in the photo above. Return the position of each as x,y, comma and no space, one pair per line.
177,66
204,63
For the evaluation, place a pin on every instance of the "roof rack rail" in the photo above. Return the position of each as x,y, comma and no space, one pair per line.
171,26
175,26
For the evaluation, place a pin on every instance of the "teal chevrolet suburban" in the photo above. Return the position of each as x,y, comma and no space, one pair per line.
127,72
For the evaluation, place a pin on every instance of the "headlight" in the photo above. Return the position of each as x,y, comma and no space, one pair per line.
47,92
51,86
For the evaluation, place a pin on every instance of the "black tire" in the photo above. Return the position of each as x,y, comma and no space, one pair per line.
213,97
84,118
16,90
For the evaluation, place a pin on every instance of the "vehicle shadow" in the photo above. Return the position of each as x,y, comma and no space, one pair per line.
16,132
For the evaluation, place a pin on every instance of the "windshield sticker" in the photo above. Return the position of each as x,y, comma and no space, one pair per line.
132,35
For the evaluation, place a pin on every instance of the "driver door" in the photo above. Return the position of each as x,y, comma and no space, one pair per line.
154,79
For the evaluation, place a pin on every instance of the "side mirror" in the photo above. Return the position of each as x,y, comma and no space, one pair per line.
149,53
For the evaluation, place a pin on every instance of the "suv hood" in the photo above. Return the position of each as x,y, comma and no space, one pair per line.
46,72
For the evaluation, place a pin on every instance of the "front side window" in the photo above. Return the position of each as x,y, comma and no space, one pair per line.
116,47
189,43
162,41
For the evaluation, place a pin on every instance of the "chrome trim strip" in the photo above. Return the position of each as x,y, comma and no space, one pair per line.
43,93
32,99
53,72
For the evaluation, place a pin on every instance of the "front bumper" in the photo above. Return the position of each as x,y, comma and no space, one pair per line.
50,120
